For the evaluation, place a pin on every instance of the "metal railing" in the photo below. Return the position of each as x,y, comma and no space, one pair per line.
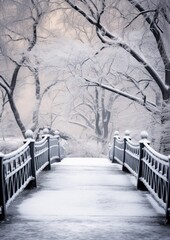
151,168
20,168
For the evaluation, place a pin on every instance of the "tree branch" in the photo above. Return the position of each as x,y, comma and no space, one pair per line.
141,13
157,35
79,124
147,104
135,83
103,34
85,118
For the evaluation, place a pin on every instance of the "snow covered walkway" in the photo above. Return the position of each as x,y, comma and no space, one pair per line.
84,199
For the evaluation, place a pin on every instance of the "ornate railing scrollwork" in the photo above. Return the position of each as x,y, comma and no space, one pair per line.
151,168
20,168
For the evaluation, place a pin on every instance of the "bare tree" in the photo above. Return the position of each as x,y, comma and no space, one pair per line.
92,113
13,33
91,107
40,93
96,13
21,22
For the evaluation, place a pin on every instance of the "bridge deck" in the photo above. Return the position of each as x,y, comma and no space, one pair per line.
84,199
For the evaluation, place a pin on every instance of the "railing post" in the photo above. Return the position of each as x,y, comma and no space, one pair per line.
46,134
49,154
116,134
126,137
168,195
29,137
144,139
2,190
58,142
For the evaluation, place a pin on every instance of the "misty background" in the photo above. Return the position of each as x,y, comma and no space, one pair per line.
54,66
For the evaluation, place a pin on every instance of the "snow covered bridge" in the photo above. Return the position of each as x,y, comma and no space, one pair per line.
84,198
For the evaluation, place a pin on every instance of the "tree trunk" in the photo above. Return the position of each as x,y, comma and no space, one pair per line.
16,115
165,120
36,110
97,114
105,117
35,117
106,121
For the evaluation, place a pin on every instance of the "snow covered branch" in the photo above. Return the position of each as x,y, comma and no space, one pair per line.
109,38
156,31
147,104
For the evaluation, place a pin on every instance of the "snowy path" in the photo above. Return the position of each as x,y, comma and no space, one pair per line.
84,199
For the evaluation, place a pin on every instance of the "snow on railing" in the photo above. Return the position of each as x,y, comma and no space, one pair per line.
151,168
19,169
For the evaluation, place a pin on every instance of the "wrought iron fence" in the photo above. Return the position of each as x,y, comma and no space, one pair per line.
131,159
55,149
119,150
151,168
20,168
42,154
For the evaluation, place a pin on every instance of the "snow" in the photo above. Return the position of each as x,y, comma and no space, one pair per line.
149,197
85,187
86,161
82,201
58,54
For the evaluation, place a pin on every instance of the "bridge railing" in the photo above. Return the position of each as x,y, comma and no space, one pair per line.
20,168
151,169
131,159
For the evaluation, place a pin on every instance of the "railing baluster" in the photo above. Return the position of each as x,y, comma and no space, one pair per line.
49,155
144,137
29,137
46,134
58,145
126,137
32,153
33,182
168,195
140,184
2,190
116,135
